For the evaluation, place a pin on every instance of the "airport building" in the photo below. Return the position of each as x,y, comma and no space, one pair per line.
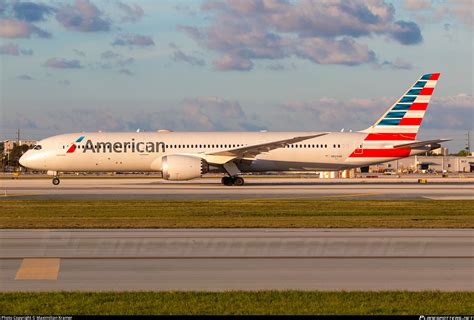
440,152
423,164
8,145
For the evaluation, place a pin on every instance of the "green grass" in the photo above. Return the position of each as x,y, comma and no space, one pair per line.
237,214
239,302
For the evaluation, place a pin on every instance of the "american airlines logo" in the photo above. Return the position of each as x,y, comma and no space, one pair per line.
73,147
118,147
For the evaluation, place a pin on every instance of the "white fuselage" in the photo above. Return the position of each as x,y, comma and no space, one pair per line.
143,151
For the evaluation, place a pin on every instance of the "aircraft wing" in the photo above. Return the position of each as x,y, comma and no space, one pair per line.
255,149
420,143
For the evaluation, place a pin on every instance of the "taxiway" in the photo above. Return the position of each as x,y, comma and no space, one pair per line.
207,189
237,259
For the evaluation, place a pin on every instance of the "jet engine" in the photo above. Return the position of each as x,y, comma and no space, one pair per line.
183,167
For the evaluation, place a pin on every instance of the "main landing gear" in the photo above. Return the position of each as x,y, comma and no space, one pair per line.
232,181
56,181
233,171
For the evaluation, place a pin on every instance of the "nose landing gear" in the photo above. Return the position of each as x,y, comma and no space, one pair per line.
56,181
232,181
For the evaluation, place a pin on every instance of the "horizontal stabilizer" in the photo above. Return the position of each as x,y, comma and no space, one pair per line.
420,143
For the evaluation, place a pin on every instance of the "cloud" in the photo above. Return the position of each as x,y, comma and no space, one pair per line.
126,72
133,40
276,67
207,113
195,114
82,16
180,56
14,50
448,112
462,10
413,5
12,28
79,53
31,12
323,32
193,32
3,6
345,51
133,13
63,63
436,11
64,82
113,60
332,114
398,64
25,77
451,112
109,54
116,60
407,32
125,62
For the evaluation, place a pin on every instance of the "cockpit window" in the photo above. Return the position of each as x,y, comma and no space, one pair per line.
37,147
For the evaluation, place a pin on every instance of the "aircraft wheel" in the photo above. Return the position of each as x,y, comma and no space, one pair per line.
227,181
56,181
238,181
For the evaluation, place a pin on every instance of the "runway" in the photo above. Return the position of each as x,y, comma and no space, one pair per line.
208,189
237,259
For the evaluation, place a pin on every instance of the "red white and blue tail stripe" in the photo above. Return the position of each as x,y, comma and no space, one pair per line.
400,124
402,121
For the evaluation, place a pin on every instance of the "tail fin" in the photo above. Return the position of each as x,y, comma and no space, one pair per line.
403,119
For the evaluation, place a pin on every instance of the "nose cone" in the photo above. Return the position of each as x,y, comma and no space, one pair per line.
31,160
24,160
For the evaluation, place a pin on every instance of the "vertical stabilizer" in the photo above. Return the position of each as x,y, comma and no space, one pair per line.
403,119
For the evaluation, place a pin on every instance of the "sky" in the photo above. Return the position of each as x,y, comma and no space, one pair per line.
231,65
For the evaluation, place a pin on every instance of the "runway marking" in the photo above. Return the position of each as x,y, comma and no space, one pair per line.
19,195
450,197
232,258
243,237
38,269
317,196
353,195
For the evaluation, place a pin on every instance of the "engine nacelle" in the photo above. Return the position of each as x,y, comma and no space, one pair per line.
183,167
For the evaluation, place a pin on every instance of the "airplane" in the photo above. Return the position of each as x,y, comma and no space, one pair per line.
189,155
